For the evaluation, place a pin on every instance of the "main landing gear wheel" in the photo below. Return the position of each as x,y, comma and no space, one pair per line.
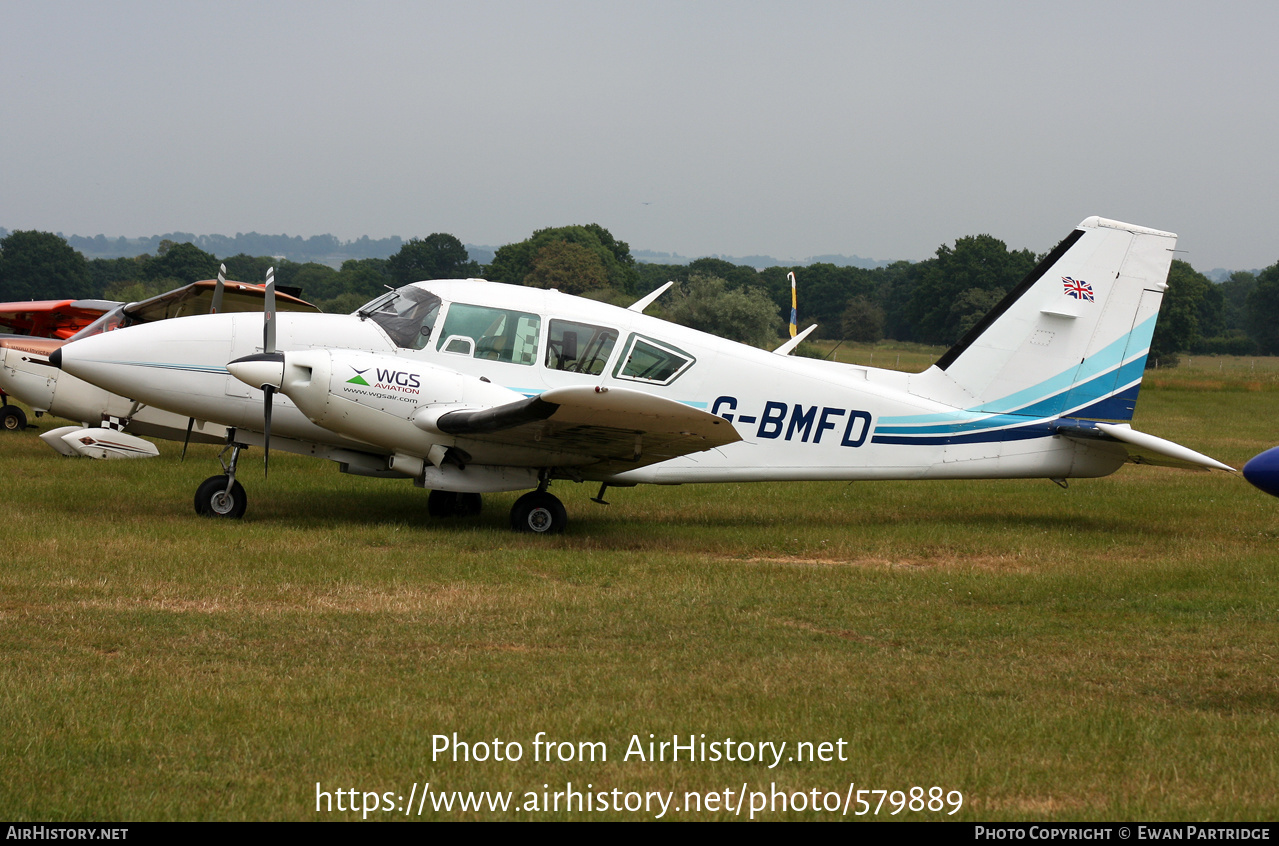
213,500
538,512
12,419
453,504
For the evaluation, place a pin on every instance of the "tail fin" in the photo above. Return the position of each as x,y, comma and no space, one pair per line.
1071,340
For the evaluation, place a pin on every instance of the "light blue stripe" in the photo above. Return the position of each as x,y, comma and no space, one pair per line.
1037,400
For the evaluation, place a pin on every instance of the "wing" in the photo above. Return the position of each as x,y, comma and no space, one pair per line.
609,429
51,318
197,298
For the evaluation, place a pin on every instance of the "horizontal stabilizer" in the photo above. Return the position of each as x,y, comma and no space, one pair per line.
1143,448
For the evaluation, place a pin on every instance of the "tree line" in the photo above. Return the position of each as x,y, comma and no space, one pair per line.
934,301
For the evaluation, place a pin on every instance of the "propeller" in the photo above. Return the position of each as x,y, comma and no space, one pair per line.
268,320
268,349
217,291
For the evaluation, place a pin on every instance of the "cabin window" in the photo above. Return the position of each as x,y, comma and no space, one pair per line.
407,315
579,347
495,334
648,360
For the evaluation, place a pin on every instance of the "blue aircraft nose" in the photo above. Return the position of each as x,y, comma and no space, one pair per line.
1263,471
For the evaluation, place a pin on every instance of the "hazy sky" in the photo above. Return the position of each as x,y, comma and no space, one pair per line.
788,128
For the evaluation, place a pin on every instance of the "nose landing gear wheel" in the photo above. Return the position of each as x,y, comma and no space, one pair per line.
12,418
213,500
538,512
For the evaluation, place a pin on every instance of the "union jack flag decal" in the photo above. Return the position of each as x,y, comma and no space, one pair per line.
1078,290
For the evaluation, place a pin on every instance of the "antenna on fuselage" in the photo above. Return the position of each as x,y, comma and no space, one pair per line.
646,301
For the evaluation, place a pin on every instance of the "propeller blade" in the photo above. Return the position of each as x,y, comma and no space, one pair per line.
268,391
266,372
217,291
268,320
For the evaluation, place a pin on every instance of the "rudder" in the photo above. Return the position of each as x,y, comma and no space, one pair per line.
1072,338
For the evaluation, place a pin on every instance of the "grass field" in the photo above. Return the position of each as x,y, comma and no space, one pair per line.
1103,652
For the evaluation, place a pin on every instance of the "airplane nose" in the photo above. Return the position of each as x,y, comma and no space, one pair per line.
55,358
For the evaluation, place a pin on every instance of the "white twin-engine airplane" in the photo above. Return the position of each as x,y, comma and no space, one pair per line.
471,387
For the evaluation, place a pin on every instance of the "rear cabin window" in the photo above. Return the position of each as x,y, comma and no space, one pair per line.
650,361
579,347
493,334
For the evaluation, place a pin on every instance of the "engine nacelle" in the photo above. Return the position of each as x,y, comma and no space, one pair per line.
370,397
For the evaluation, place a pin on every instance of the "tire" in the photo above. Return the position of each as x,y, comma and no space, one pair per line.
213,500
441,503
452,504
540,513
12,419
469,505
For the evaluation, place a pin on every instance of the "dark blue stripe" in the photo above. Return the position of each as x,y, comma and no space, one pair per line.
1039,429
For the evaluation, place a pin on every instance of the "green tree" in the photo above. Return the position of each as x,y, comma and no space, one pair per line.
1234,292
941,304
1263,311
567,267
342,303
243,267
367,278
41,265
1190,312
437,256
107,272
862,321
315,281
185,262
708,304
514,263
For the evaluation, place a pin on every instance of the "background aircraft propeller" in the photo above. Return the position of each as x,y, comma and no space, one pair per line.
217,290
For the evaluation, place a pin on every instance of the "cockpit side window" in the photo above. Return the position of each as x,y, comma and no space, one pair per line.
579,347
652,362
495,334
407,316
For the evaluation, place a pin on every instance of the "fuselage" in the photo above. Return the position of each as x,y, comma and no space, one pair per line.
798,418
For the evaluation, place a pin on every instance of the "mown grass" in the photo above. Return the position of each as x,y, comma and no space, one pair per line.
1102,652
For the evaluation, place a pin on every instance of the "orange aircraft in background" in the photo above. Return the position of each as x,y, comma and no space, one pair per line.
52,318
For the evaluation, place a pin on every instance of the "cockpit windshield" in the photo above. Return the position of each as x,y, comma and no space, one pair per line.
406,314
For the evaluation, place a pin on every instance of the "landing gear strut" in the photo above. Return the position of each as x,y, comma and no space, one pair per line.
222,496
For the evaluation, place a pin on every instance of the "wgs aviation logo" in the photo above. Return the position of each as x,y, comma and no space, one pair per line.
388,380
